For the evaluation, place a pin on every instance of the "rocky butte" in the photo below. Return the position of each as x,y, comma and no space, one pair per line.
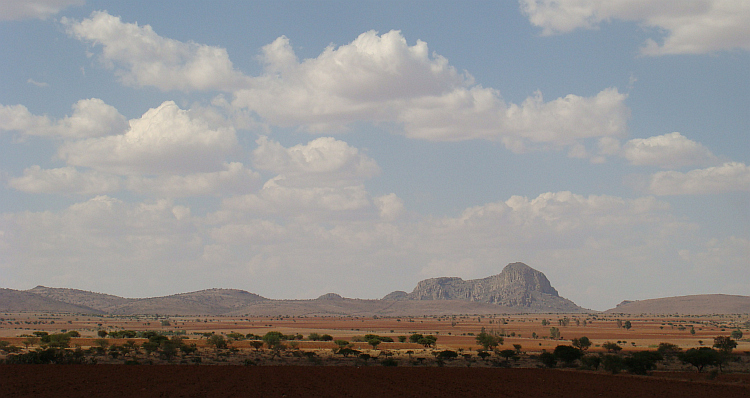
518,286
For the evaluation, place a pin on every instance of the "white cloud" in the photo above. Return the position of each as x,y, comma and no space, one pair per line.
36,83
375,78
141,57
315,202
90,118
102,243
165,140
729,177
323,160
383,79
65,180
39,9
691,26
391,206
667,151
236,179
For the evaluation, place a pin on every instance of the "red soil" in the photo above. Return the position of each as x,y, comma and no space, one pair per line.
115,381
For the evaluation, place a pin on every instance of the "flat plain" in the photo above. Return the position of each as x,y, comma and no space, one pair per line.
312,368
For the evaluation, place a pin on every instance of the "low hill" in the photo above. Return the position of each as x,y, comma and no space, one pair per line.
203,302
702,304
99,301
23,301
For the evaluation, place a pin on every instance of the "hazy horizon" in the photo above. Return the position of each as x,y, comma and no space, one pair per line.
296,148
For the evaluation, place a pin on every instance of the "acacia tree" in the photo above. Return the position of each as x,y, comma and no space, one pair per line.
489,340
701,357
582,343
725,344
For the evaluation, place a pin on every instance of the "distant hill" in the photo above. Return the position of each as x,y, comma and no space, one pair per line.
518,286
99,301
21,301
702,304
203,302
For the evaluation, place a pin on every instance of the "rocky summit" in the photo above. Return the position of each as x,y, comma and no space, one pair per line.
518,286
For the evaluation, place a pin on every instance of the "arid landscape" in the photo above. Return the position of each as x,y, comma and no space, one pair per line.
338,353
508,335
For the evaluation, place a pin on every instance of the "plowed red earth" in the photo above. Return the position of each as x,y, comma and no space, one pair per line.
114,381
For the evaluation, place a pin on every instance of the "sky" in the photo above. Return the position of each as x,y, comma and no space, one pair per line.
295,148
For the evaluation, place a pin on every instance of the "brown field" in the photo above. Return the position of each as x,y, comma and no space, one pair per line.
116,381
452,332
290,373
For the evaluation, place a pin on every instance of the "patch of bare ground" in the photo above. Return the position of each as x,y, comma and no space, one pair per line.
115,381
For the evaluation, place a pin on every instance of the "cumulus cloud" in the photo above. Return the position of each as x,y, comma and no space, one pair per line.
667,151
381,78
65,180
324,159
235,179
390,206
729,177
90,118
34,9
164,140
691,26
324,176
375,78
140,57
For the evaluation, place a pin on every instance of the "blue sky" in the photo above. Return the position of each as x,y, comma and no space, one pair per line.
296,148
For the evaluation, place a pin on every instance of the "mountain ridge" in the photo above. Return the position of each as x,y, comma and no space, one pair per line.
518,288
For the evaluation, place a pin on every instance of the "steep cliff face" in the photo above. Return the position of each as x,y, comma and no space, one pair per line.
518,285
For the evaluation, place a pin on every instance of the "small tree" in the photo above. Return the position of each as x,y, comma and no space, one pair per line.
217,341
582,343
567,354
702,357
488,341
668,350
611,347
508,354
102,333
554,333
613,363
341,343
374,343
642,362
548,359
273,339
591,362
725,344
428,341
736,334
627,325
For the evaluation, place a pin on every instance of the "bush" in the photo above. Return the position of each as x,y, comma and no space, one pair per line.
548,359
613,363
591,362
642,362
567,354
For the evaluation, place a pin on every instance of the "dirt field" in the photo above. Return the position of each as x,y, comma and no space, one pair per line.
237,381
452,332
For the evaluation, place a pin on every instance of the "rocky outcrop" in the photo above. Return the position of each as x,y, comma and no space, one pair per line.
330,296
518,286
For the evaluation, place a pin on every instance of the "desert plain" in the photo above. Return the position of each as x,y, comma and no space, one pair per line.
304,367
